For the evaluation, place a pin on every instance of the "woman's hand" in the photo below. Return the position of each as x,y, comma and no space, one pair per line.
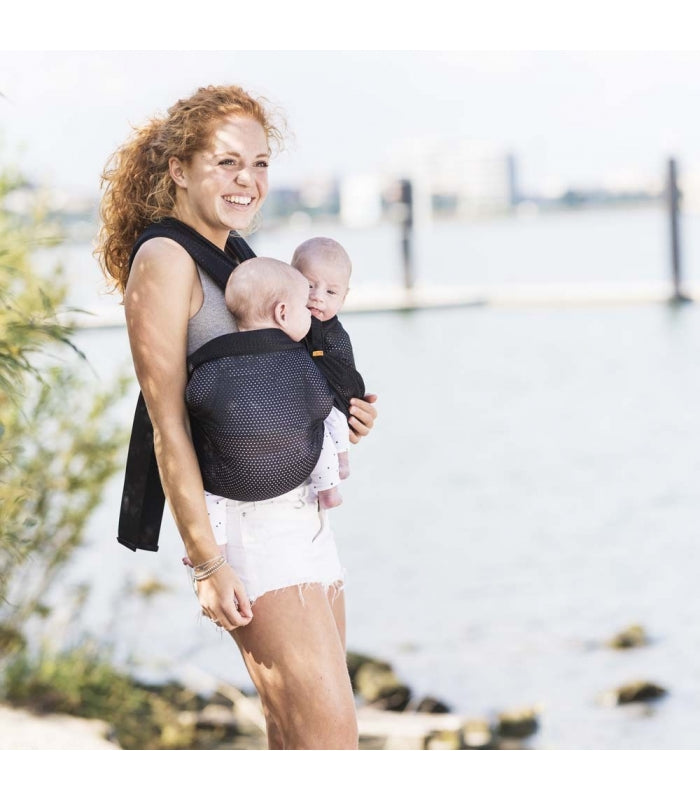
224,599
362,416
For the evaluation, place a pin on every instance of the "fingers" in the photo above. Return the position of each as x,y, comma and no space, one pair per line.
224,600
238,615
243,606
362,416
230,620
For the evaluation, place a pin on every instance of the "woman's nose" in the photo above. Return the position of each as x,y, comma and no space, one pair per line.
243,177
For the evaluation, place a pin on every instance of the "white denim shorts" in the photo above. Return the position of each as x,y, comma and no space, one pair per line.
285,541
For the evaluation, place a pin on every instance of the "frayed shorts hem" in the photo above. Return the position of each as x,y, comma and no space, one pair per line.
336,586
283,542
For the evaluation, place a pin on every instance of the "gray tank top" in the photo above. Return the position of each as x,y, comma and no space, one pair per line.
213,318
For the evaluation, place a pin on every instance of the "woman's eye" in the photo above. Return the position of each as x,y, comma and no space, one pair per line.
227,162
263,164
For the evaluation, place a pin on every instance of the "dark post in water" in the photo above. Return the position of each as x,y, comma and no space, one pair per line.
407,232
673,205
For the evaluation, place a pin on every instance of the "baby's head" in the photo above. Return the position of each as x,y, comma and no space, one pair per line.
266,293
327,268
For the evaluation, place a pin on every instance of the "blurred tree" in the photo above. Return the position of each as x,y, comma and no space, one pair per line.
58,444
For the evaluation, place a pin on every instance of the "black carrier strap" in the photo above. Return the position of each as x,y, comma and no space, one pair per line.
242,343
329,345
315,338
143,499
216,263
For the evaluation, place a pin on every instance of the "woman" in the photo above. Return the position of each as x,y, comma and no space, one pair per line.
205,164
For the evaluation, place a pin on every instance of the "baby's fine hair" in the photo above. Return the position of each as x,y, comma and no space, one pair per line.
255,287
323,249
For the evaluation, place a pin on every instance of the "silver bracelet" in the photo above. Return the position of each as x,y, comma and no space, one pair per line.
218,563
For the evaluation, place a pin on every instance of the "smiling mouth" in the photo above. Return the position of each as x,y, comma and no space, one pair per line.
237,200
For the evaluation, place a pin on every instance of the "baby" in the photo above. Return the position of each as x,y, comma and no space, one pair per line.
264,294
327,268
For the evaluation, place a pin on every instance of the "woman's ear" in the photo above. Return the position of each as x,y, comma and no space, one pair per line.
177,173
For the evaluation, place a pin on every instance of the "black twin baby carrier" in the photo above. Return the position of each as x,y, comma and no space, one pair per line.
256,402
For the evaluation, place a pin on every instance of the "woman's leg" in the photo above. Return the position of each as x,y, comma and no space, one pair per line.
295,654
336,597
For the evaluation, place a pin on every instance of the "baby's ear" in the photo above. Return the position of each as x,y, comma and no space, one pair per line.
280,314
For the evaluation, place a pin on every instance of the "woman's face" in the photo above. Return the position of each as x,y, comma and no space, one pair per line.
225,184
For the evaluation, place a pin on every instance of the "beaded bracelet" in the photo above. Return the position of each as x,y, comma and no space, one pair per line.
206,563
210,570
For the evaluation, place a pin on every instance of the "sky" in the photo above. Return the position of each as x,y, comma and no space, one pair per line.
571,117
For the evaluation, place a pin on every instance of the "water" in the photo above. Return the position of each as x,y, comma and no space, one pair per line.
529,489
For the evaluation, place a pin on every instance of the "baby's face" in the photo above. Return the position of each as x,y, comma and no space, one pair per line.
328,286
298,320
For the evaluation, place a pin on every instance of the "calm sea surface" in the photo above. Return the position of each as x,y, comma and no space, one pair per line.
530,488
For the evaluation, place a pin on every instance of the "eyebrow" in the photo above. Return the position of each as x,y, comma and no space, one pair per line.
238,155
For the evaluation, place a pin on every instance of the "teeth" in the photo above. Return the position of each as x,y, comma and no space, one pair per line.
239,201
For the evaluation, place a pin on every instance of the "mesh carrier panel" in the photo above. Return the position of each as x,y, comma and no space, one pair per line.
257,404
329,344
143,500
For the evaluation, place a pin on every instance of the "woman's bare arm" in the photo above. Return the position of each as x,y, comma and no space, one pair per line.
158,302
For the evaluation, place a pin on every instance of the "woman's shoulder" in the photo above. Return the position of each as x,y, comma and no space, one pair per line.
162,263
162,248
164,256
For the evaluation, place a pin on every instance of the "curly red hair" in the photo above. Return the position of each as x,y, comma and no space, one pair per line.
138,188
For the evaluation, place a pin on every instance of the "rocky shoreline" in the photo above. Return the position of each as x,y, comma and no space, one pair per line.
228,719
389,715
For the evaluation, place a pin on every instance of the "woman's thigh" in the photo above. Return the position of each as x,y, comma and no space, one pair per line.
295,654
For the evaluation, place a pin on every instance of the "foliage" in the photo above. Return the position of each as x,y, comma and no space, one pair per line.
83,682
58,445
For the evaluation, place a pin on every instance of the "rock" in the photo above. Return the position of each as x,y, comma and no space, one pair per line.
632,636
431,705
478,735
635,692
357,660
518,724
393,699
375,679
217,716
510,744
444,740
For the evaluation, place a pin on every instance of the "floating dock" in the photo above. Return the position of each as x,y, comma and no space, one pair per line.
377,299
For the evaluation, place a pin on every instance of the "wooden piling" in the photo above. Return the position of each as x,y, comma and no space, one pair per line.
407,234
673,195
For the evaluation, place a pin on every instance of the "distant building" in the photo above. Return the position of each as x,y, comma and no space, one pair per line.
312,198
319,196
460,176
361,199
